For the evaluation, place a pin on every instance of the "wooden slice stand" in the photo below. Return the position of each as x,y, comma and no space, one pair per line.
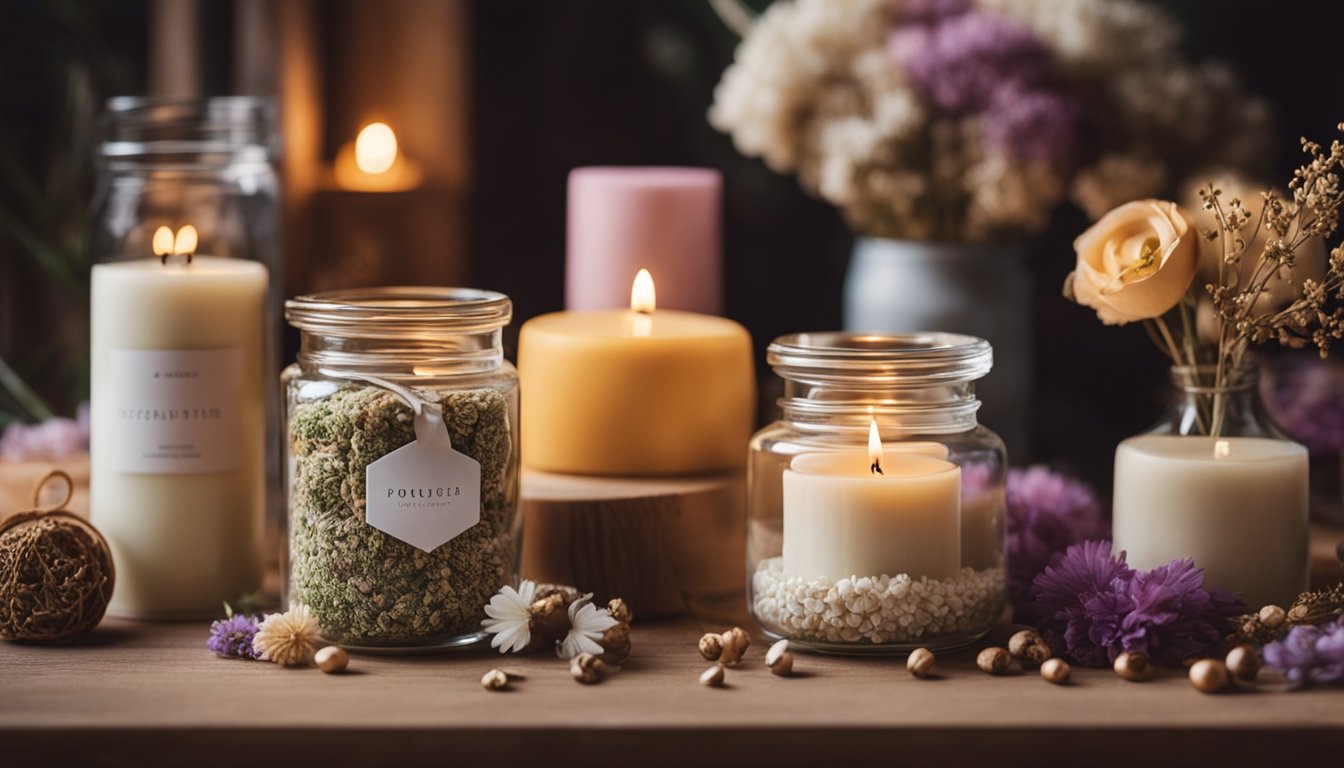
661,544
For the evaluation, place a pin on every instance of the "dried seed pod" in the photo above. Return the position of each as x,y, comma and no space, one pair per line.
1210,676
567,593
776,650
549,620
588,669
920,662
994,660
620,611
783,666
1298,612
1055,671
712,676
331,659
711,646
1272,616
735,643
1244,663
1133,667
495,680
615,644
1028,647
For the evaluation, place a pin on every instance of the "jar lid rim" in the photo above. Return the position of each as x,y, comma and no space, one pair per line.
916,358
379,310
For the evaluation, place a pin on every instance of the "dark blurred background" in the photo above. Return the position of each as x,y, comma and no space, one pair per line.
498,100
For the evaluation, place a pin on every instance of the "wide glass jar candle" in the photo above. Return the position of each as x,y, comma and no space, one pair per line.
402,476
876,502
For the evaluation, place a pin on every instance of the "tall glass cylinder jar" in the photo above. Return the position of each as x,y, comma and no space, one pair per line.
398,551
877,502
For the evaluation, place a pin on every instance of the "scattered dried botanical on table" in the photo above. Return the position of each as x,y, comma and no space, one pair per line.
289,638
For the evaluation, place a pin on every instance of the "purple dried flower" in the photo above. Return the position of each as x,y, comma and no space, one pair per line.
1309,654
52,440
1306,397
1047,512
232,636
1033,124
1094,606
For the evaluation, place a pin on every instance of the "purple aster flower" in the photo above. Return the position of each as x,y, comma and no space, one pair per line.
232,636
1094,606
1047,512
1309,654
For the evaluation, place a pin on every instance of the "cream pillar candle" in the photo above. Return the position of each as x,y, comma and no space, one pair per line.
178,431
843,519
1239,506
635,392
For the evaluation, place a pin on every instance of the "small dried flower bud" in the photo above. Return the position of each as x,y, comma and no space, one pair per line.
920,662
712,676
1272,616
994,660
1244,663
567,593
1028,647
735,643
331,659
1210,676
1298,612
783,666
549,620
1055,671
615,644
495,680
711,646
1133,667
588,669
776,650
620,611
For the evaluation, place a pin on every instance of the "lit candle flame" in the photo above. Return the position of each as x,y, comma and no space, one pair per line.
1221,449
163,241
642,296
375,148
874,449
165,244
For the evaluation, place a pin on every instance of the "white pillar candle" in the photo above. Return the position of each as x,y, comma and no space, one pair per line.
177,479
1239,506
843,519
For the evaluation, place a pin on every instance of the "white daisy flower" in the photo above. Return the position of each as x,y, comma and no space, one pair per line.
510,620
587,623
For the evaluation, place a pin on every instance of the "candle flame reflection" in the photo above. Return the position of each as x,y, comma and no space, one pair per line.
874,449
1221,449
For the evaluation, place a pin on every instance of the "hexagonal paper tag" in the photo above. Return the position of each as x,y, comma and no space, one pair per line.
424,493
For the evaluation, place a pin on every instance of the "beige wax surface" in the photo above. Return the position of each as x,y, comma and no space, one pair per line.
1242,517
842,520
182,542
622,393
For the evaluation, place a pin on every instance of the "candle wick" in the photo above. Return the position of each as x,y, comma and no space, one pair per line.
163,260
876,469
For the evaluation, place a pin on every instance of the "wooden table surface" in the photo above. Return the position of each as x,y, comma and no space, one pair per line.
143,694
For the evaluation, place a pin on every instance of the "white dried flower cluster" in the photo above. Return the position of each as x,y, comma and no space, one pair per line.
876,609
288,638
815,91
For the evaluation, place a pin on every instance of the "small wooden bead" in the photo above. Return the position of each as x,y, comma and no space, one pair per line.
920,663
1210,676
994,660
332,659
1133,667
1055,671
1244,663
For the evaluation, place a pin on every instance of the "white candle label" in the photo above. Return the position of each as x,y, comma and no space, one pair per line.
424,493
175,411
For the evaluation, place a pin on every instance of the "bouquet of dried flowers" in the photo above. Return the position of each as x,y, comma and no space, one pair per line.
1266,277
971,120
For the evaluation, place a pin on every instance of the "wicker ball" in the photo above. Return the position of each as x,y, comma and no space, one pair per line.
56,575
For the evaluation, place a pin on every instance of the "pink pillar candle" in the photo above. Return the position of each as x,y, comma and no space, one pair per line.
665,220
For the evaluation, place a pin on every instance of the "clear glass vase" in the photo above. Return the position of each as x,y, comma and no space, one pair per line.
844,558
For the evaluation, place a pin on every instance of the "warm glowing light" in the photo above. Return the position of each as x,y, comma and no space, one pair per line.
163,241
166,244
375,148
1221,449
642,296
874,448
186,241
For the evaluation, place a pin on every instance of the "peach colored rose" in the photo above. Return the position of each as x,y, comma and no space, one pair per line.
1136,262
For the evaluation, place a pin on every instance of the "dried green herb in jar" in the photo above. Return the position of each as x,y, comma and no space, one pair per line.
364,586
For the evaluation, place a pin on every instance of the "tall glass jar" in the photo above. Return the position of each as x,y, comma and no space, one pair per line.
876,502
389,549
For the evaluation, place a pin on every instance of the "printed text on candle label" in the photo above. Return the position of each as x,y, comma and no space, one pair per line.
174,411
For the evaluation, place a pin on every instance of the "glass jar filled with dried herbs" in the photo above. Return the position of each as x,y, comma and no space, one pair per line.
401,423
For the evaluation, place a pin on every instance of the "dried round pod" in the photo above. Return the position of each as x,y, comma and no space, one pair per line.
783,666
712,676
1028,647
495,680
615,643
1055,671
1272,616
994,660
1210,676
778,649
920,662
1298,612
588,669
331,659
620,611
1244,663
711,646
1133,667
735,643
549,620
